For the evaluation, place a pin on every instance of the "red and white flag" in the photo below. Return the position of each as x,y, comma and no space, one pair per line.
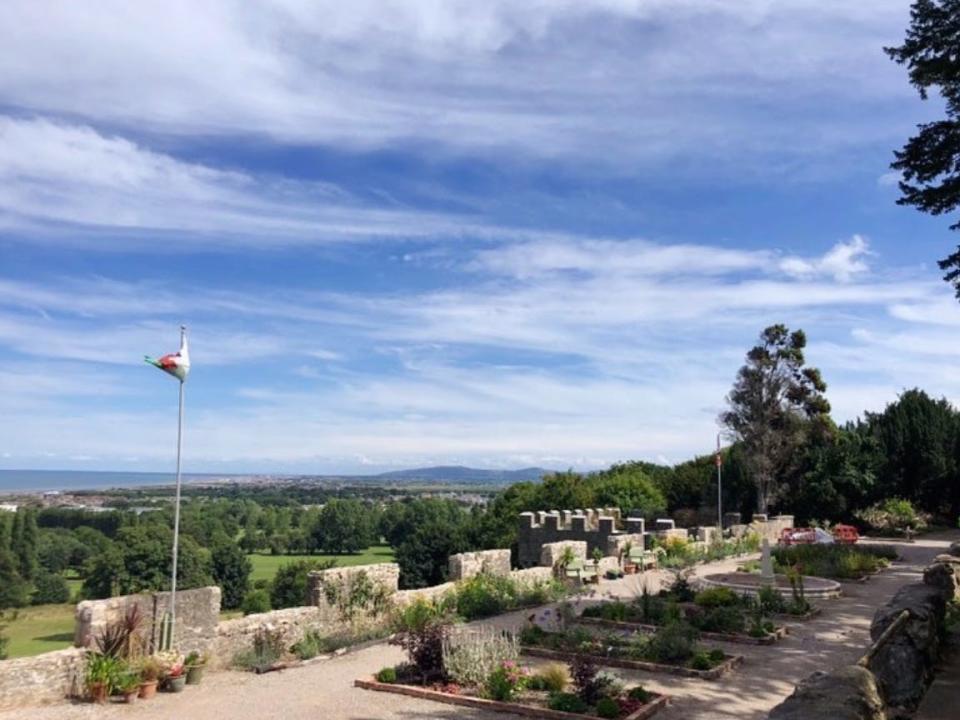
176,364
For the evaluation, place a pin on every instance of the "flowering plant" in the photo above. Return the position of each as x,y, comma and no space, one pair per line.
508,679
171,663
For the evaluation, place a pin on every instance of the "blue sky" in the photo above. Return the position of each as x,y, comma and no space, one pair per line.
407,233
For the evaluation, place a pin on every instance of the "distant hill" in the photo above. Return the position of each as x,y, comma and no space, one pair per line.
461,474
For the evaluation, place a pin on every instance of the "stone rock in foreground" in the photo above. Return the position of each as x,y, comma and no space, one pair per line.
848,693
904,665
944,574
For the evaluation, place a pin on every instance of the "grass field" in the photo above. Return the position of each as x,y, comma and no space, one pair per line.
265,566
41,629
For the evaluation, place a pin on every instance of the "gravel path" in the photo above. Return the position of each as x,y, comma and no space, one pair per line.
324,690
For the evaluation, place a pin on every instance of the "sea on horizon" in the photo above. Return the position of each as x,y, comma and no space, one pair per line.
29,481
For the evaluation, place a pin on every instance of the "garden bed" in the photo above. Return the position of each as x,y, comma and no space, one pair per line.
656,703
728,664
742,638
813,612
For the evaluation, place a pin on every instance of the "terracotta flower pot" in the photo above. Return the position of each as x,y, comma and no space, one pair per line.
630,569
130,696
98,692
148,688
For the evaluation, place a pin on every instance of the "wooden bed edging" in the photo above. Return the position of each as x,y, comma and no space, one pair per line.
648,710
712,674
743,639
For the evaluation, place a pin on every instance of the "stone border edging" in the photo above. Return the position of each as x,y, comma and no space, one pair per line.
712,674
743,639
648,710
821,594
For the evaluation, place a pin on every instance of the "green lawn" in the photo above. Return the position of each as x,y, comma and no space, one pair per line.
265,566
43,628
40,629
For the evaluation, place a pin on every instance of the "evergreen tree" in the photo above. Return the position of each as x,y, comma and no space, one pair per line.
930,161
774,402
28,545
231,571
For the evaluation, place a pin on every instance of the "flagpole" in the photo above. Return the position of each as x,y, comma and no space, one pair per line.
719,487
176,512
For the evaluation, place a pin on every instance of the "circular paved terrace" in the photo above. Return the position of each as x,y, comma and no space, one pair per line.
815,588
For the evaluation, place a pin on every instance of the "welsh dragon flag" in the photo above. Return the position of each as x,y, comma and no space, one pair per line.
176,364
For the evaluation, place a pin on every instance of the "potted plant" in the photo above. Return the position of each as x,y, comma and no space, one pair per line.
150,670
629,568
566,559
597,556
176,678
195,664
128,685
100,676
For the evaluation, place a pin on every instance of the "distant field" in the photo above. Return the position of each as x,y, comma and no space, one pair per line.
44,628
265,566
41,629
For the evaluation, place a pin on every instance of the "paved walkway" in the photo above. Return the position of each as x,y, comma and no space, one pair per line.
325,690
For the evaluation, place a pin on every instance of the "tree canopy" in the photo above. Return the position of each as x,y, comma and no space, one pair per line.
774,403
929,162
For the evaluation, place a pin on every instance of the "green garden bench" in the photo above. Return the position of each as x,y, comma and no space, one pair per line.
643,559
581,571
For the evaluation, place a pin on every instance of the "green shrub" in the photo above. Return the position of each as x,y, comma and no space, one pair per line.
615,610
716,597
266,650
387,675
674,643
721,620
484,595
566,702
717,656
555,677
472,653
701,661
506,681
771,600
540,592
421,628
309,646
536,683
639,693
255,601
50,588
531,635
843,562
607,708
893,515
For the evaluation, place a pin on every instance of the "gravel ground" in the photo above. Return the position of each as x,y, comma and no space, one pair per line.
324,690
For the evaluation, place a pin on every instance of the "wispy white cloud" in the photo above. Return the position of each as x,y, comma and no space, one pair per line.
842,262
54,173
528,361
586,80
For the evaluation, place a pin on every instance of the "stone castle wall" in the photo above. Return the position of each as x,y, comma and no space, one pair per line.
597,527
198,612
43,678
466,565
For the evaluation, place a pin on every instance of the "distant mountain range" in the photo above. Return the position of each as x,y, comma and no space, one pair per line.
459,473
